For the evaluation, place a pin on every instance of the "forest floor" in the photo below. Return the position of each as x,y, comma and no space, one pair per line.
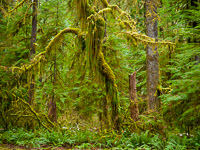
21,139
45,147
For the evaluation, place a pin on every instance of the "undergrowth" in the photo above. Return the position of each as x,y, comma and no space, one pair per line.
106,140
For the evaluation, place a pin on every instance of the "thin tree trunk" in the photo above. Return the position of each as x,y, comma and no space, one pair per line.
32,52
194,24
152,55
52,104
105,112
133,97
34,28
105,99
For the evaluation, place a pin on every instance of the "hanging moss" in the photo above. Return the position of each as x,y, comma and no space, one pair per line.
96,61
84,10
58,38
105,3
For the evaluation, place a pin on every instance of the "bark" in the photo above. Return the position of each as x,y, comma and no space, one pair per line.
105,113
52,109
194,24
52,104
105,101
133,97
32,52
152,55
34,28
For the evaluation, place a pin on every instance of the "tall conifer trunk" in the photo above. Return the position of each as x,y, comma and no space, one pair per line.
32,52
152,55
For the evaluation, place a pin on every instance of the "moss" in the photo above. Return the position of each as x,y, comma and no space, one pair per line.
104,11
17,6
27,11
59,37
32,110
105,3
100,21
105,68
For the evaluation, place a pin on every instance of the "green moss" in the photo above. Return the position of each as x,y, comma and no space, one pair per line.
17,6
105,68
100,21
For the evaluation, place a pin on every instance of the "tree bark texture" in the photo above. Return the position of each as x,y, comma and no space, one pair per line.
152,61
34,28
133,97
32,52
52,103
52,109
105,113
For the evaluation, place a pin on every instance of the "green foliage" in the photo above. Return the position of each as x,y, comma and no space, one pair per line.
87,139
81,71
180,74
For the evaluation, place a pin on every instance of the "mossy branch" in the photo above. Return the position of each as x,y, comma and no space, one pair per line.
105,3
17,6
59,37
131,24
3,11
141,38
106,70
33,111
27,11
49,121
41,57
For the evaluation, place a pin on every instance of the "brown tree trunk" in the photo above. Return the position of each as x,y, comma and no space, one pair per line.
32,52
52,104
133,97
105,113
34,28
152,55
52,109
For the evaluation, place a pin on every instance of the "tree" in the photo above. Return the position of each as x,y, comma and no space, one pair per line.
32,51
92,61
133,97
152,55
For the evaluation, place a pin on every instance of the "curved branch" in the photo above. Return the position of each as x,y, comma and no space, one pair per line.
17,6
27,11
59,36
41,56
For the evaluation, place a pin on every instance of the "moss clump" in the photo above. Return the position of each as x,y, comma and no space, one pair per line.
100,21
106,70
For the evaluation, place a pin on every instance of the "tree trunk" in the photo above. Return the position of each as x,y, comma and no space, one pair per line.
52,104
133,97
34,28
152,55
105,113
32,52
